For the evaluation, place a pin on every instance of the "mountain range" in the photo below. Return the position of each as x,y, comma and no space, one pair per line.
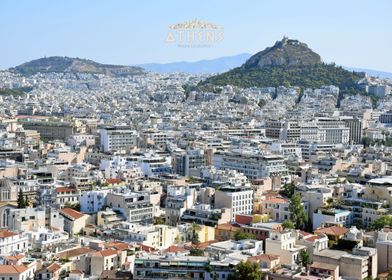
217,65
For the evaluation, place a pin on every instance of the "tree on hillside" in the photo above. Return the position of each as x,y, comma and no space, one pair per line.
21,200
247,271
298,215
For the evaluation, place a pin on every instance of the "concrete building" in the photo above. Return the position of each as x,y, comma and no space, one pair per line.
237,199
135,206
251,164
283,244
118,138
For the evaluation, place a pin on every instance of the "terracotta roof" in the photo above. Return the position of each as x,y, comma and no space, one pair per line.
105,253
71,213
146,248
113,181
15,258
54,267
121,246
264,257
12,269
304,233
4,233
74,252
313,238
175,249
65,189
276,200
334,230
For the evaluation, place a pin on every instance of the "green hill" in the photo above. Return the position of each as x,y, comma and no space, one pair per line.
65,64
287,63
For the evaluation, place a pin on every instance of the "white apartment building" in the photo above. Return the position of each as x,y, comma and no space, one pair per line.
252,165
93,201
135,206
333,131
12,242
157,236
238,199
118,138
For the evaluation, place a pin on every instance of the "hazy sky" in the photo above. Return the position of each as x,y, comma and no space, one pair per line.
351,33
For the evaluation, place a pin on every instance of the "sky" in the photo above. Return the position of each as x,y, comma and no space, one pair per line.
350,33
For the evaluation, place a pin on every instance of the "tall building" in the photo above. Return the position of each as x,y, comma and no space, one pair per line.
333,131
184,161
252,165
283,130
238,199
118,138
355,126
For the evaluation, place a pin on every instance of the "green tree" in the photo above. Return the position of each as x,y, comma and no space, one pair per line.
196,252
27,203
288,190
380,223
288,224
195,228
298,215
159,221
247,271
21,200
239,235
305,259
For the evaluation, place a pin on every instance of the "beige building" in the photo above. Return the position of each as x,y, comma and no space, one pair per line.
282,243
379,189
107,259
74,221
351,266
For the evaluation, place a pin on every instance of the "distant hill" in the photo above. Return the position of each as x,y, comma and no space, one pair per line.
289,63
63,64
218,65
371,72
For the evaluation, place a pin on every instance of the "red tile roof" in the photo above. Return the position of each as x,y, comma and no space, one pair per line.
65,189
4,233
74,253
12,269
175,249
71,213
54,267
264,257
276,200
105,253
113,181
334,230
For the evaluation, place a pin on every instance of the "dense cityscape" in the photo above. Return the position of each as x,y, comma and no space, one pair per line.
117,172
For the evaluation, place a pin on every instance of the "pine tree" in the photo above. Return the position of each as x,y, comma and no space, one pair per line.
27,203
21,201
297,212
